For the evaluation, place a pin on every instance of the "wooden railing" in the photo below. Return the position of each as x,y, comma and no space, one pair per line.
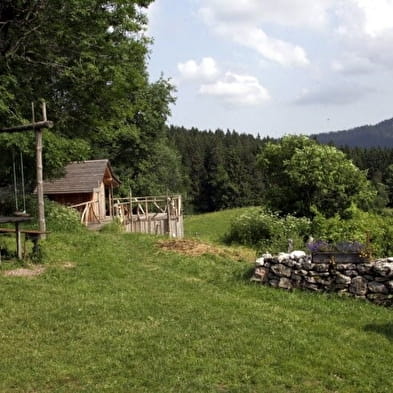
145,206
151,214
87,212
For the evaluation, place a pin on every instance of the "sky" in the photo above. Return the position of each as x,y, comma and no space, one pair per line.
275,67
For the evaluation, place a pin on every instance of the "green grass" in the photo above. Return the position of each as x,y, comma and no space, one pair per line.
211,226
130,317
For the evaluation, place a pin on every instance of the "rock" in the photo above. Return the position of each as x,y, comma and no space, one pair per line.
320,267
315,273
390,259
342,279
297,254
285,283
377,287
282,256
380,299
307,265
281,270
389,285
260,261
296,279
312,287
358,286
384,269
261,273
312,280
288,262
346,266
274,283
267,256
365,268
351,273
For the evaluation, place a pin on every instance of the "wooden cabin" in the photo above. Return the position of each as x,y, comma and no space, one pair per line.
88,187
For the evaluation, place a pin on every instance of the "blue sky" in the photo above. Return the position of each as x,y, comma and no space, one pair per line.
275,67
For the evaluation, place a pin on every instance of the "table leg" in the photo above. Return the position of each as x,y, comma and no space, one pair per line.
18,241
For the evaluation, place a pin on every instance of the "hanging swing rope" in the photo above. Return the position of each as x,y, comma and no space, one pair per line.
22,173
22,182
15,182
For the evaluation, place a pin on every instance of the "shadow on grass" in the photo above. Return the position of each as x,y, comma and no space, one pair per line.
385,329
244,274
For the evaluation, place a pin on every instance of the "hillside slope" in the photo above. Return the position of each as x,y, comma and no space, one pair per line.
378,135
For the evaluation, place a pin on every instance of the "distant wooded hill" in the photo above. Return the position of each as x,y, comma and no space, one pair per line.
378,135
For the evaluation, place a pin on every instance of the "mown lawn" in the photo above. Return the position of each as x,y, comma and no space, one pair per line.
211,226
130,317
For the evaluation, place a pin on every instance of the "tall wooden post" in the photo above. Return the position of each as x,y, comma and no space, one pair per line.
39,169
37,127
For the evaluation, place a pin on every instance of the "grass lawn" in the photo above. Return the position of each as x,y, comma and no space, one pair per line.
115,313
211,226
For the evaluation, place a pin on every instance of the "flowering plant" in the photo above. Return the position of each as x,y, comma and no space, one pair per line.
344,247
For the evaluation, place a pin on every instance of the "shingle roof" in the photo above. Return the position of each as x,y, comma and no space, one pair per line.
81,177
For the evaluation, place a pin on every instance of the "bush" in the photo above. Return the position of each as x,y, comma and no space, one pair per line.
373,230
59,218
266,231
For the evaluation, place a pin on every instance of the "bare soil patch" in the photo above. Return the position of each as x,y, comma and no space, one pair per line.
188,247
33,271
196,248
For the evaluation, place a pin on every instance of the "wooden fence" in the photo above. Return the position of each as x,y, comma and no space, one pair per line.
159,215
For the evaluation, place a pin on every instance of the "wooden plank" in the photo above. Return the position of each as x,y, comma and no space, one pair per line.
39,125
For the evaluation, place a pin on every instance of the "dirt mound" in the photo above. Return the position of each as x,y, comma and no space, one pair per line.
189,247
196,248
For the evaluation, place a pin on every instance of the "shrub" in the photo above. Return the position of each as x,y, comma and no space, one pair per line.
267,231
59,218
373,230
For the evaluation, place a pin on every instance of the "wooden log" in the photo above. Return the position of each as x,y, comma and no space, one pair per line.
28,127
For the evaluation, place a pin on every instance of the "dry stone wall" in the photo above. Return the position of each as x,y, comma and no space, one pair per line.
371,280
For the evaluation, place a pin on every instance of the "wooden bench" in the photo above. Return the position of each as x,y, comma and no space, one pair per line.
30,234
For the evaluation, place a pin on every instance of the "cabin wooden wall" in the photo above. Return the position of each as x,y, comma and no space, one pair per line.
71,199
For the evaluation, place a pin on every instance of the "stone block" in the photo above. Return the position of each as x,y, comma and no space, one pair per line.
281,270
261,273
285,283
384,269
358,286
377,287
342,279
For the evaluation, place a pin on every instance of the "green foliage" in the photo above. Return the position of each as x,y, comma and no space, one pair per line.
268,231
87,59
59,218
220,168
113,227
299,173
373,230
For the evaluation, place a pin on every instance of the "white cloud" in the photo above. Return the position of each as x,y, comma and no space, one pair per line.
206,70
270,48
378,16
242,21
237,89
283,12
352,64
334,94
366,29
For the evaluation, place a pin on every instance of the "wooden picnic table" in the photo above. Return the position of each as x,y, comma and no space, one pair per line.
16,220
